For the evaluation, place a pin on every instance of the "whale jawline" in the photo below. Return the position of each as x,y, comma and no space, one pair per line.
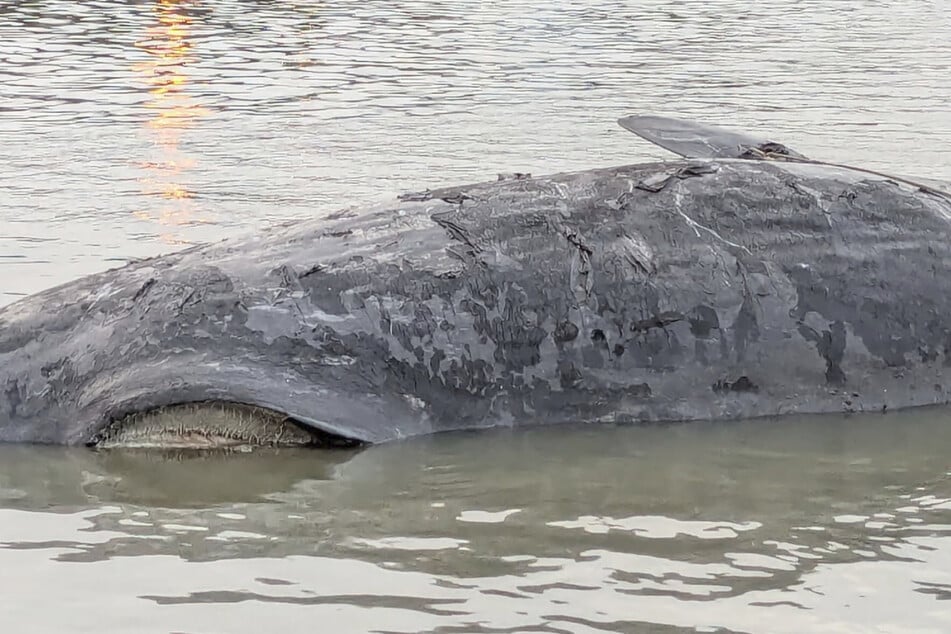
215,424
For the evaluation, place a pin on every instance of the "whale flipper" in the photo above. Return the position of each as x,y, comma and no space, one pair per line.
696,140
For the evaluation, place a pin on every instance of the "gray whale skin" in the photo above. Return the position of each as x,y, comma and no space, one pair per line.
730,283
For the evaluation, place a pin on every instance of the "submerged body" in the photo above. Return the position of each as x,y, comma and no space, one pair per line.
660,292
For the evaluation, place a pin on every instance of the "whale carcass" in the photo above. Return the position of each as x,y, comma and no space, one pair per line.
739,280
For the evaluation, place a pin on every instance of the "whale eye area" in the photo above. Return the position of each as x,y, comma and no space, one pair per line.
212,425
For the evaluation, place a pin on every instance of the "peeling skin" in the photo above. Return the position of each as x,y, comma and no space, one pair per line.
724,289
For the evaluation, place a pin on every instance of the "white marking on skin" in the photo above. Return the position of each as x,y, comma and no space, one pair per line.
416,403
225,536
696,226
486,517
817,197
184,527
107,290
412,543
323,316
341,360
719,256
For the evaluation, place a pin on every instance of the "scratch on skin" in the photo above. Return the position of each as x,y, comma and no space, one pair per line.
290,287
638,254
697,227
584,257
562,190
457,199
799,188
149,283
456,231
317,268
658,181
188,298
576,241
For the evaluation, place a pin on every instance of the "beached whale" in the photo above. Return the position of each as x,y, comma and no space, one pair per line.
742,280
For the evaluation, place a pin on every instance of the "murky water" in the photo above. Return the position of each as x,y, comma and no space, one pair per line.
809,525
134,128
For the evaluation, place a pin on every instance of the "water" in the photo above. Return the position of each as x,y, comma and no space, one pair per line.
809,525
131,129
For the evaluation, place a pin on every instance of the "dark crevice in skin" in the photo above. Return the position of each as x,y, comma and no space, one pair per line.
455,231
742,384
13,396
576,241
658,321
456,198
582,281
658,182
316,438
314,269
149,283
831,347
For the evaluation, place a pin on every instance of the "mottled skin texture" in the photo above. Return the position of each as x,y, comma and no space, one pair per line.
738,288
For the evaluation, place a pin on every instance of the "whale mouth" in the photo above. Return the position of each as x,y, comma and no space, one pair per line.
204,425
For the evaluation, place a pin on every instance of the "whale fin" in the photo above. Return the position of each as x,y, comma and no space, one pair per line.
696,140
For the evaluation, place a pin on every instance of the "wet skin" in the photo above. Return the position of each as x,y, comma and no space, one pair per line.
671,291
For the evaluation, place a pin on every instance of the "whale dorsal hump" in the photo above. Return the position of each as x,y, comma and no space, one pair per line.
696,140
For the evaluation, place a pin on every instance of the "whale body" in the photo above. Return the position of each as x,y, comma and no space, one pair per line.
714,286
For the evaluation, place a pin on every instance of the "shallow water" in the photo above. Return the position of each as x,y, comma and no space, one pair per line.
135,128
808,525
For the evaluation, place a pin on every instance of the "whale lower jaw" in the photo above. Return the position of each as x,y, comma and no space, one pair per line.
214,425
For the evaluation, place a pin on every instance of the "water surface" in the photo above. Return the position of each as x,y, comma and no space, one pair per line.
809,525
135,128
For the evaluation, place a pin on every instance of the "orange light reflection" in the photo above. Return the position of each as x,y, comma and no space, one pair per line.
174,111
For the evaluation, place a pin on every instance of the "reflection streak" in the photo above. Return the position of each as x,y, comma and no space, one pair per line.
173,111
